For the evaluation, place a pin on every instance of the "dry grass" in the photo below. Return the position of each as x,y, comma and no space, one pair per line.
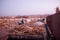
27,28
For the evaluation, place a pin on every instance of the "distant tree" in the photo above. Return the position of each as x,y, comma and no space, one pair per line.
57,9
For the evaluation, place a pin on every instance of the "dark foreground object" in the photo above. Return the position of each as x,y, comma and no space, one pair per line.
53,22
25,37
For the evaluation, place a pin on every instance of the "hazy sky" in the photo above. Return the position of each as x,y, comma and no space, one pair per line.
27,7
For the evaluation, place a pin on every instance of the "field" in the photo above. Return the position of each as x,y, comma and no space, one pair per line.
12,27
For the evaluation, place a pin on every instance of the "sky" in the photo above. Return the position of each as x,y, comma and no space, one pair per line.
27,7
